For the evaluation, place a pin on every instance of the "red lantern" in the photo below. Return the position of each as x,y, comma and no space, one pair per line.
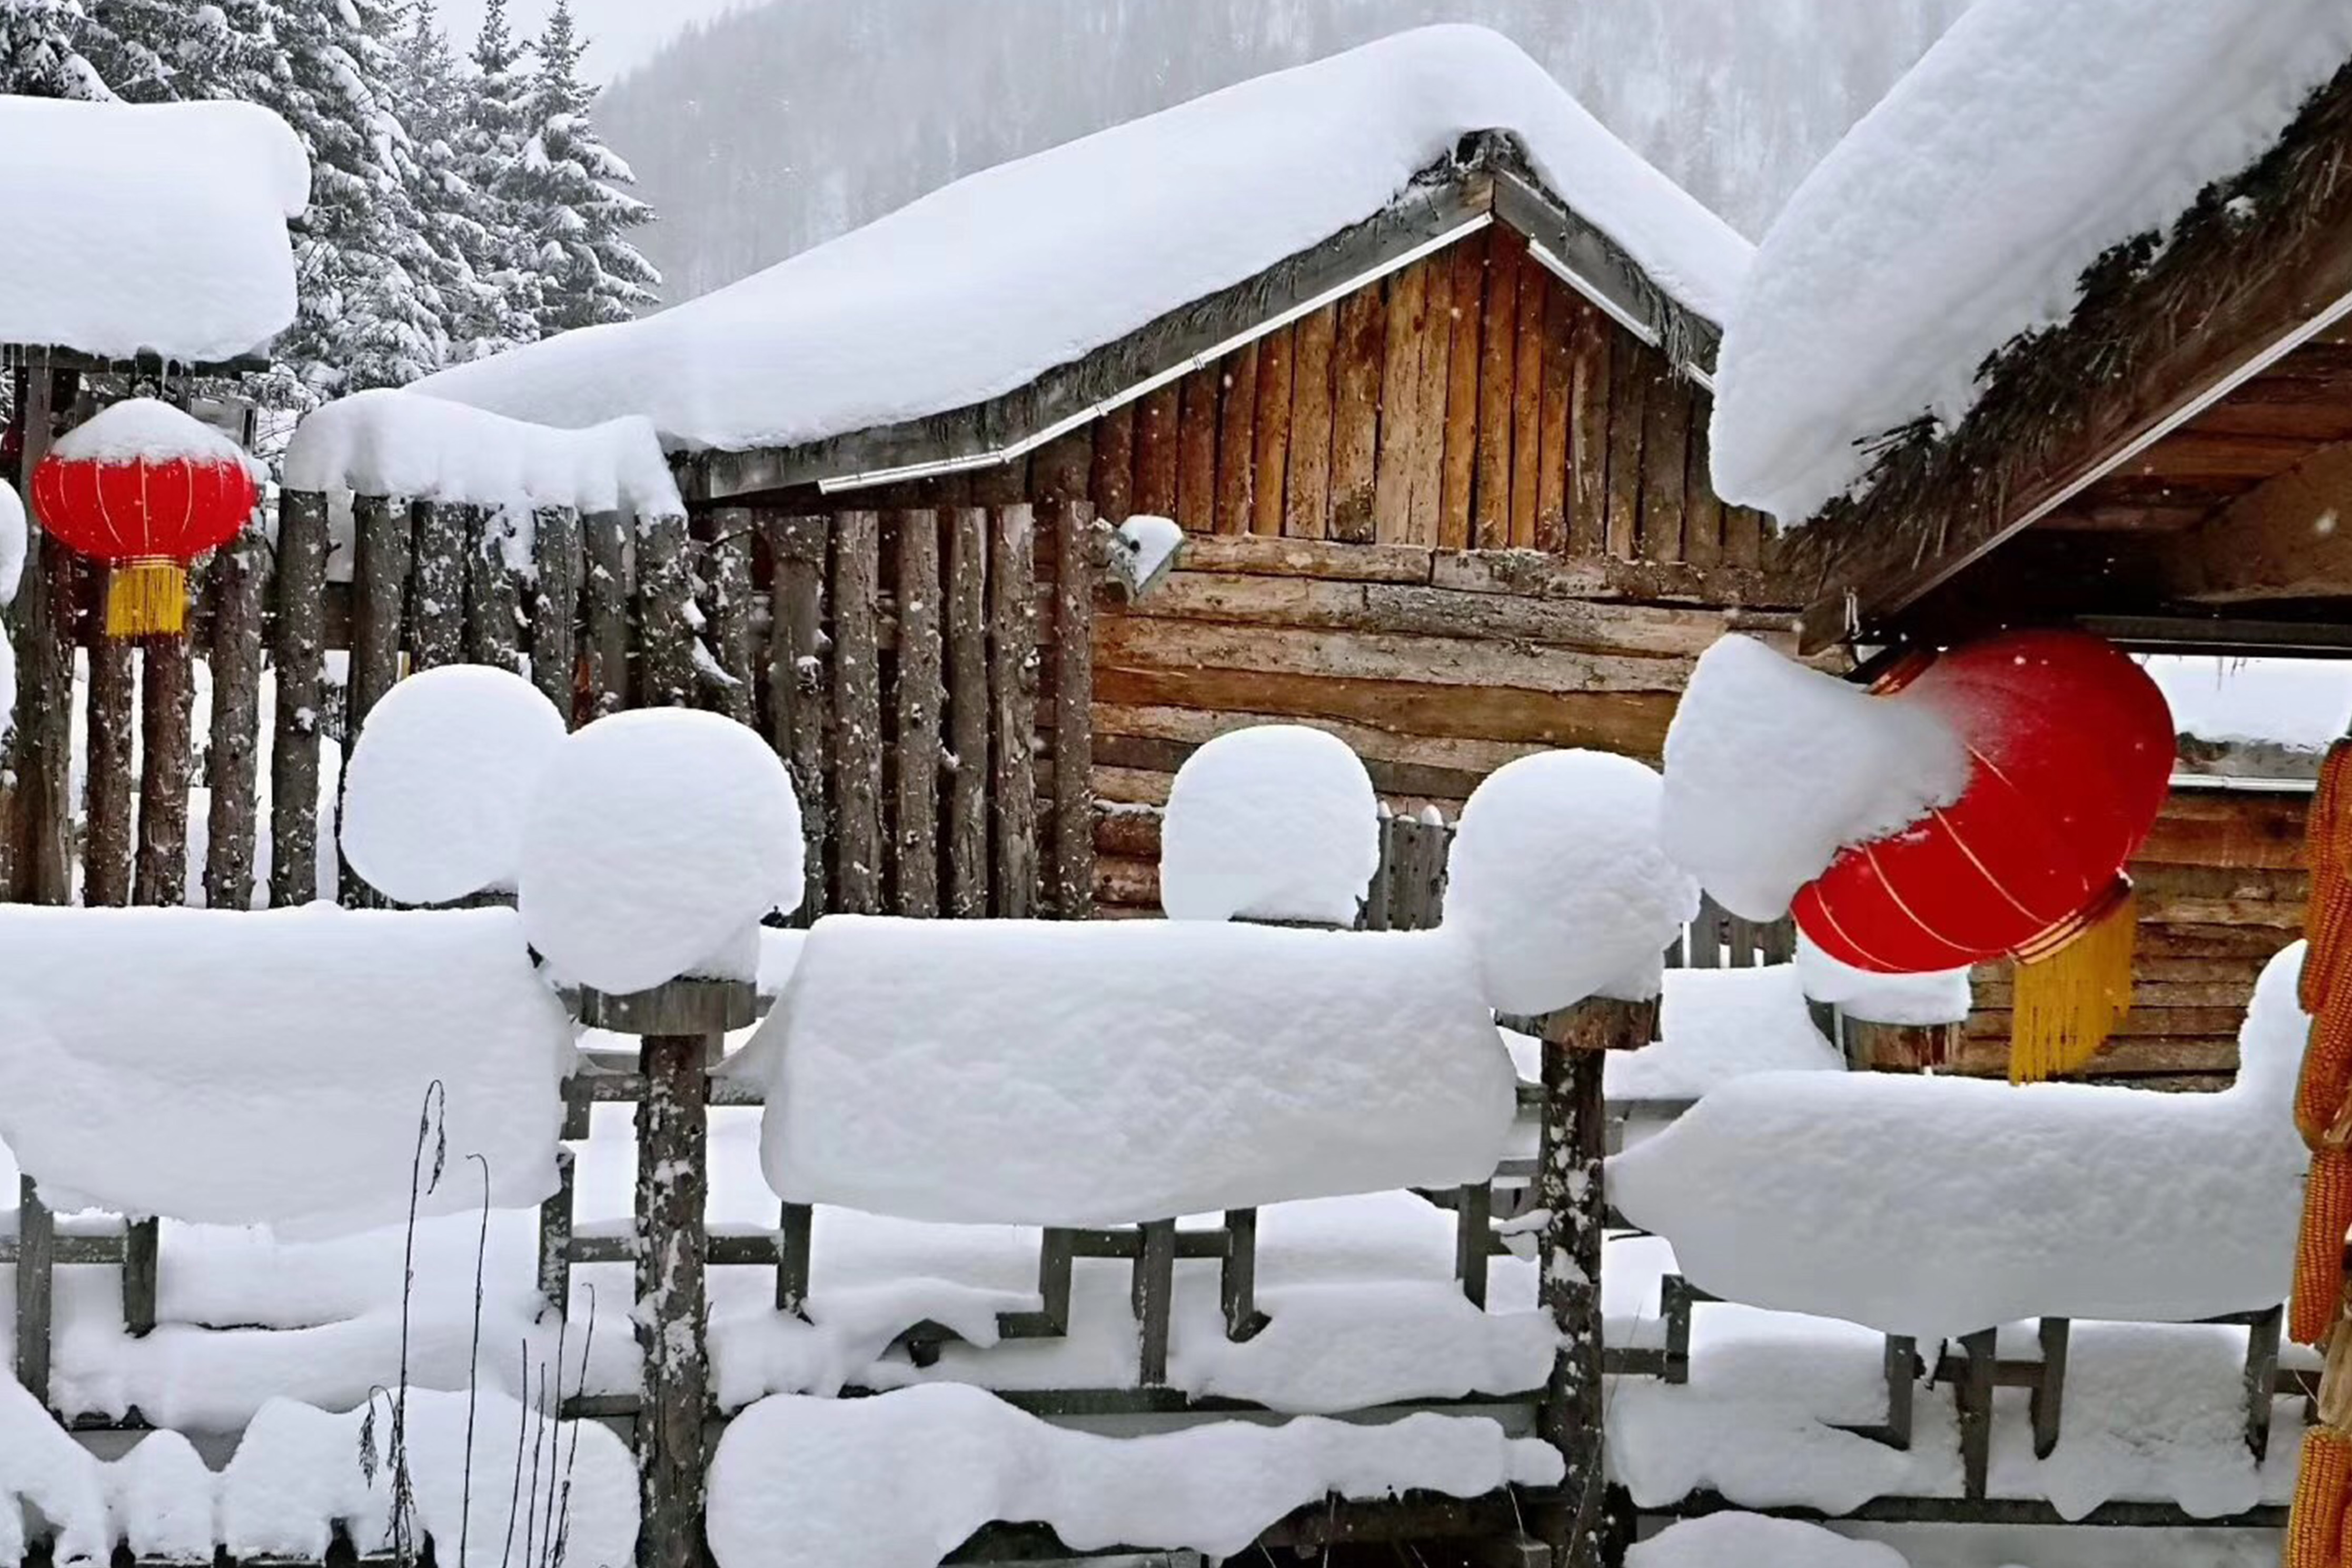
145,488
2071,748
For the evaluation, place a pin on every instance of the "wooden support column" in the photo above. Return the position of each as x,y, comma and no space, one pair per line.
37,1245
301,698
1576,1043
167,697
438,595
796,683
232,763
605,589
556,609
39,814
1078,547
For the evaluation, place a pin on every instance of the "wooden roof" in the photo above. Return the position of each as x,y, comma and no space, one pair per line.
2165,467
1485,181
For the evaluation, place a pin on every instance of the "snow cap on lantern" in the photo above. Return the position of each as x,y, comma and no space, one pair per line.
1559,881
653,845
145,488
439,782
1274,822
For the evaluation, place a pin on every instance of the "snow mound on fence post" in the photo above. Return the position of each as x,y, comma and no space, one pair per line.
1558,881
238,1067
1963,211
1272,822
1101,1072
156,228
1939,1206
655,843
901,1480
1772,768
439,781
1752,1540
43,1466
1715,1025
390,442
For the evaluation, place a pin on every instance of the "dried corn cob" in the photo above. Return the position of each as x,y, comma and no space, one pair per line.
2327,1081
2328,851
2323,1486
2319,1247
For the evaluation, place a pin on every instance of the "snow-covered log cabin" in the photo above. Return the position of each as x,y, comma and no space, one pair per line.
1416,353
2080,358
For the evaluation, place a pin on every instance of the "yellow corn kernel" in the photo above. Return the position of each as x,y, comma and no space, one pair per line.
2323,1485
2319,1246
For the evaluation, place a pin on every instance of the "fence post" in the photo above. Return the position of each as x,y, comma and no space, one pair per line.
301,696
680,1024
1577,1041
240,577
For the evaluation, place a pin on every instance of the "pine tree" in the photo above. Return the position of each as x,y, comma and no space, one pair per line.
568,208
460,221
44,46
488,140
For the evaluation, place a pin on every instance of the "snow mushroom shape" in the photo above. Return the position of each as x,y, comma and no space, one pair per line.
656,840
1274,822
1559,881
445,763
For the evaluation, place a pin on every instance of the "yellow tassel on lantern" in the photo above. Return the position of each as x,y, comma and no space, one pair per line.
147,597
2073,989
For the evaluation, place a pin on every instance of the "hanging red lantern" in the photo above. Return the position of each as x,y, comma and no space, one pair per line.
2071,749
145,488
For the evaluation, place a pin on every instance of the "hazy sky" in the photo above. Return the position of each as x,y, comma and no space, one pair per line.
621,33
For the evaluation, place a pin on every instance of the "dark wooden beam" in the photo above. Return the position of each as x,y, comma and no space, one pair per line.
2286,539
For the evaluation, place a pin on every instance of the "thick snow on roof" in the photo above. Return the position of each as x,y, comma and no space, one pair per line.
978,288
388,442
155,227
1963,210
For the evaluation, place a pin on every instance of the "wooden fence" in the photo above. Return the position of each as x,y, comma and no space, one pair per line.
924,674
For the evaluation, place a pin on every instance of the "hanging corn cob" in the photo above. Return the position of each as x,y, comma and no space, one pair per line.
2315,1527
2319,1252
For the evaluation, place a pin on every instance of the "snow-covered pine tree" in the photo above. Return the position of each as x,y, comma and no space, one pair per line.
489,143
369,313
569,204
44,48
459,219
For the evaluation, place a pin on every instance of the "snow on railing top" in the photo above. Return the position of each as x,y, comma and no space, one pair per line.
1270,822
155,228
1964,210
388,442
1101,1072
981,287
1940,1207
238,1069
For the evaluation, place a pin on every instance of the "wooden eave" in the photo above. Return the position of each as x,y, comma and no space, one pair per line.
1485,182
2194,375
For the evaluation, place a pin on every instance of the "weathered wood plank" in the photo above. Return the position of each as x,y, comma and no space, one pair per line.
1307,491
556,609
797,684
1561,312
1276,370
1537,289
301,698
1461,444
1157,443
109,786
50,632
603,543
37,1242
1468,757
1612,577
1062,469
24,777
1077,547
1012,690
1309,558
1744,531
915,842
673,1183
666,635
726,677
1134,643
1498,360
438,597
232,755
1362,349
1629,371
1665,429
856,714
167,698
1702,511
1113,482
967,715
1400,405
493,585
1000,484
1588,418
1427,460
381,561
1196,450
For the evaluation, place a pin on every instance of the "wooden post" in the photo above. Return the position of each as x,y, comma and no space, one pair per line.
36,1245
110,787
857,712
1576,1043
727,578
383,557
493,588
301,673
967,829
232,759
673,1184
915,846
438,598
665,598
796,684
556,609
1012,682
1078,545
49,603
167,695
604,546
